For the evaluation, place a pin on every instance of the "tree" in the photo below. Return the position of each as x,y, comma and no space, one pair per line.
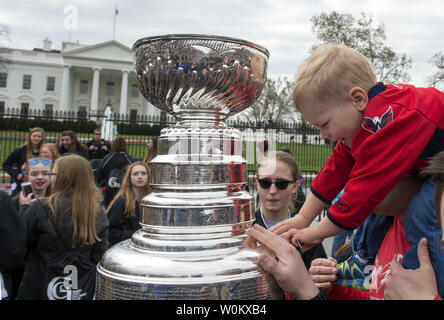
362,35
438,76
275,104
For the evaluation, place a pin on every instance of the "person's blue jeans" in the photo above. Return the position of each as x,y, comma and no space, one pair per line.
420,221
369,236
339,240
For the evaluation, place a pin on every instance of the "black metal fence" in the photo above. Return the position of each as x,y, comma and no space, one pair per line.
300,139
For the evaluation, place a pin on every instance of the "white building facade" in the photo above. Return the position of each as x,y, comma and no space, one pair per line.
85,78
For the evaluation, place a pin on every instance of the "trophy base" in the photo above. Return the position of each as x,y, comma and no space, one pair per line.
218,274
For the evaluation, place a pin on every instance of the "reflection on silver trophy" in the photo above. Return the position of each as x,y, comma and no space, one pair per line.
194,222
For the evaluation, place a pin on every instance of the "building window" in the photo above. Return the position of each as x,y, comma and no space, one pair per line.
2,108
83,86
163,117
109,90
27,81
24,109
82,112
50,83
133,115
49,108
134,91
3,80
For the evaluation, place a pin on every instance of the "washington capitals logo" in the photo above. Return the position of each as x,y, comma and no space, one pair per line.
342,206
376,123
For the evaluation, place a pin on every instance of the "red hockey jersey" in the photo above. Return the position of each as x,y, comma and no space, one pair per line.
402,128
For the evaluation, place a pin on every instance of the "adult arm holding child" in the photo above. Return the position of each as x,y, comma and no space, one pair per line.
419,284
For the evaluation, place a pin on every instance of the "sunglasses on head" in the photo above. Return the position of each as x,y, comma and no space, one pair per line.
36,160
281,184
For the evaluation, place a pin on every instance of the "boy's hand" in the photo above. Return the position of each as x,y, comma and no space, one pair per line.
324,272
279,228
307,237
296,222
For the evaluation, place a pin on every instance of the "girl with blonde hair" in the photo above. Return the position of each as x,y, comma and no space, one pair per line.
124,210
69,228
35,139
13,164
49,151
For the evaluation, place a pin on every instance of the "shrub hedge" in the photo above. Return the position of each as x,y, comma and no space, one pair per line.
79,126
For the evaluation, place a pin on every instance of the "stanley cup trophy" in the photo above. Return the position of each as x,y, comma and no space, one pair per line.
193,223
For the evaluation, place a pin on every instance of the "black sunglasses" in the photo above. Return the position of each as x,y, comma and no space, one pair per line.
281,184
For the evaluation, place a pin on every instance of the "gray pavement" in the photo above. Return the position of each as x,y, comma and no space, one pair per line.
327,243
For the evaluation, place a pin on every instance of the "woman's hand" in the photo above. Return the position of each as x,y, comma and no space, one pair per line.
419,284
284,263
324,272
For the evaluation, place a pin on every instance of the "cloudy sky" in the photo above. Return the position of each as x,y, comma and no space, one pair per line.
415,28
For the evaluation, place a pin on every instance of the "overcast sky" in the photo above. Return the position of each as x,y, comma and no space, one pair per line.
415,28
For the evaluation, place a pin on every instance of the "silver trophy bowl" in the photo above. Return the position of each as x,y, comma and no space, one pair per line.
193,223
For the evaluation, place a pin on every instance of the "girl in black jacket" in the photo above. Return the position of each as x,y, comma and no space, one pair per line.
117,159
13,164
69,229
124,210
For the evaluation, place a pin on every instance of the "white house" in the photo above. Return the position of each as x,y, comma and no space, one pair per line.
77,78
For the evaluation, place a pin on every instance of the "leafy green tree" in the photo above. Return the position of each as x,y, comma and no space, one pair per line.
369,39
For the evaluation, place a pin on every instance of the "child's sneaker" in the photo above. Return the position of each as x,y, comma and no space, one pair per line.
354,273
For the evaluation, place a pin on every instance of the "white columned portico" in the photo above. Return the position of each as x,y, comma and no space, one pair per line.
95,90
151,110
124,92
64,98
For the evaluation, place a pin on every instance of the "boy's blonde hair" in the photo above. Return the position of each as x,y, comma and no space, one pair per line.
331,71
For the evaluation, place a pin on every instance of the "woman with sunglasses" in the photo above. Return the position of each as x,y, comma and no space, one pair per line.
14,162
124,210
69,228
277,183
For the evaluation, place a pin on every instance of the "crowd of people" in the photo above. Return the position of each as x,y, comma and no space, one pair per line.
71,215
382,185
